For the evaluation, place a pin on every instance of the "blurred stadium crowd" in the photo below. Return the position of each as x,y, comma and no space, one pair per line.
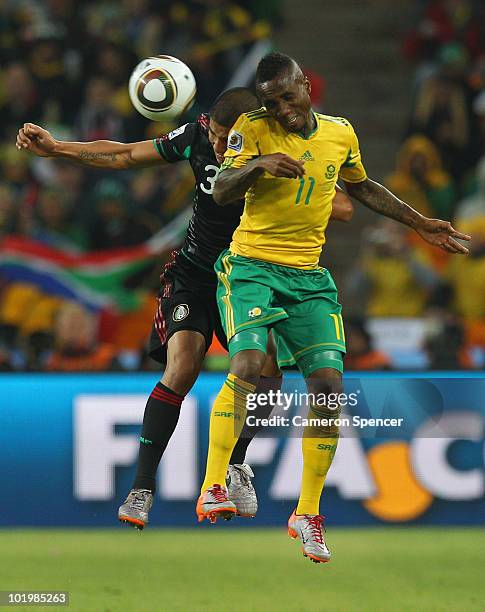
440,171
66,67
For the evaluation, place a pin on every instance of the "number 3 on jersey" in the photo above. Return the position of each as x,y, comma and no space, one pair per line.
210,179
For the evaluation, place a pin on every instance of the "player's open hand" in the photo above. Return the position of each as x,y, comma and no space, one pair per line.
35,139
443,235
279,164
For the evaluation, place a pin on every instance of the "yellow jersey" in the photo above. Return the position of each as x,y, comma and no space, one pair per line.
284,220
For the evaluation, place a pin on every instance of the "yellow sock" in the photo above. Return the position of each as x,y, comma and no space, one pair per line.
318,454
227,419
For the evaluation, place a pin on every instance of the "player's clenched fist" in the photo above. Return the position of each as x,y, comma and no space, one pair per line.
279,164
35,139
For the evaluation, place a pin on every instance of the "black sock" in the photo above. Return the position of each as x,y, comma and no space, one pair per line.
159,422
264,385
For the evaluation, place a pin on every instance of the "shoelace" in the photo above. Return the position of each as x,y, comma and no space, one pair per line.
139,499
218,493
315,523
245,479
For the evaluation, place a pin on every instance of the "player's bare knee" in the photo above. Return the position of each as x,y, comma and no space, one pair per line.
185,355
182,370
180,381
248,365
181,375
325,380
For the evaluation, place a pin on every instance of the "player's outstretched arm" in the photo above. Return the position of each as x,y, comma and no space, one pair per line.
342,207
232,183
100,153
435,231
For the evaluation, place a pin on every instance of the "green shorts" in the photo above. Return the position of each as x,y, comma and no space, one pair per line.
300,306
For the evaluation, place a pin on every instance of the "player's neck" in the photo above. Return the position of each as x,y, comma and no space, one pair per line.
310,125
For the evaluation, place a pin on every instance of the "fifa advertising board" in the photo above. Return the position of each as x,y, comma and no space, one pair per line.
411,450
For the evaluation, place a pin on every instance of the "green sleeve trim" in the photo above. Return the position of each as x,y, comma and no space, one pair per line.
159,148
227,163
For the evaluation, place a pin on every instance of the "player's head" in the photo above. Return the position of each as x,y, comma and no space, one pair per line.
284,90
224,113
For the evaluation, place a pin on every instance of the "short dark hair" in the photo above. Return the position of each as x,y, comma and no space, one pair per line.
272,65
232,103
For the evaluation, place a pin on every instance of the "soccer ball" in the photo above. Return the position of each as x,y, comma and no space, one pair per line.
162,87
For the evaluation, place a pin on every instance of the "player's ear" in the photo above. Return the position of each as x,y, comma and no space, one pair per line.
308,85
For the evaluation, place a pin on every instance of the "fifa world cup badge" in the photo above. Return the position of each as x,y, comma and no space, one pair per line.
235,141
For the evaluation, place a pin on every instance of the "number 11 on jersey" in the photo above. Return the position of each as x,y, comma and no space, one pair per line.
311,180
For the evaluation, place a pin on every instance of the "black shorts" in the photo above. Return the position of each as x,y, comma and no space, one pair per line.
187,300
